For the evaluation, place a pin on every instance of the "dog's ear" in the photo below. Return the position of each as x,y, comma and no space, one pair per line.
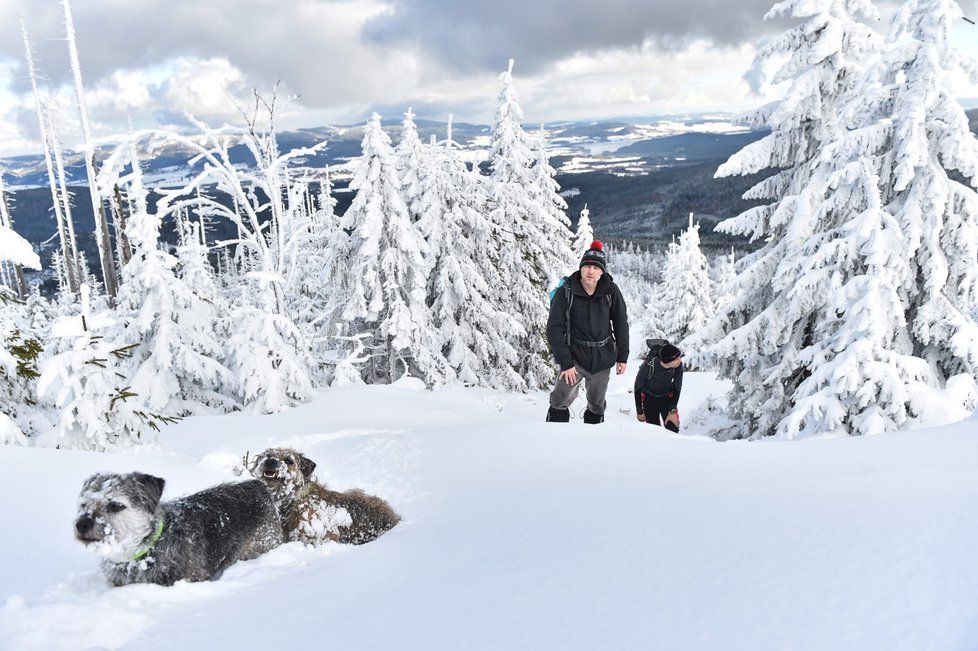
306,465
93,483
152,487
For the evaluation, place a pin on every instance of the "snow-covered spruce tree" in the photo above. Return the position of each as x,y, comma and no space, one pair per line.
636,274
930,136
551,216
897,242
318,291
176,352
194,270
19,346
86,381
263,354
460,239
528,256
762,336
388,267
684,300
411,156
724,279
585,234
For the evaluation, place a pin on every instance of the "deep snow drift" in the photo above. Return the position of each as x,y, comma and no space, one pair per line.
523,534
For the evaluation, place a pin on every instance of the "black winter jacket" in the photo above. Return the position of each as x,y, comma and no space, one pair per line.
592,318
654,381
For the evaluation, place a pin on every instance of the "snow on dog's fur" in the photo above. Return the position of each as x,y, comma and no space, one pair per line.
311,513
142,540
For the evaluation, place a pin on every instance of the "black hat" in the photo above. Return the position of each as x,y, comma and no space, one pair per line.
594,256
669,353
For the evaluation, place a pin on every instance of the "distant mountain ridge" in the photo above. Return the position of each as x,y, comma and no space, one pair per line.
649,206
564,138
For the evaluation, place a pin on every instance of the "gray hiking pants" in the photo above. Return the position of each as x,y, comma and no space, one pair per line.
565,394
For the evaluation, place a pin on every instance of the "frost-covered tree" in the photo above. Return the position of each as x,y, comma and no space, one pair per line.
460,239
585,234
70,268
764,336
897,243
19,346
724,280
109,277
86,381
325,201
551,216
388,267
263,355
269,208
210,327
928,136
637,273
176,351
318,291
684,301
528,254
411,156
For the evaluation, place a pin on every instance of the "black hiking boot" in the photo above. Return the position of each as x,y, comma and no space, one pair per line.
555,415
592,418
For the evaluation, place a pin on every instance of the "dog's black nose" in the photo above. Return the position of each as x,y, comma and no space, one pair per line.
84,525
270,464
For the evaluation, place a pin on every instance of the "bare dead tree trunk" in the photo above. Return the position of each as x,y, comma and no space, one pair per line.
14,273
123,248
59,168
6,275
21,281
102,239
69,276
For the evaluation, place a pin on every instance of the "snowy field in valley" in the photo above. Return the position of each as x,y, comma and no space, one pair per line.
522,534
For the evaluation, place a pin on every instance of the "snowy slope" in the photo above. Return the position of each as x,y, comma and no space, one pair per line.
521,534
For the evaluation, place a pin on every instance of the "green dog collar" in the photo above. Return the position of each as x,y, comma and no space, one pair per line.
152,542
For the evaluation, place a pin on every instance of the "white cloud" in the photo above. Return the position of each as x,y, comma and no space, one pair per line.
208,89
151,61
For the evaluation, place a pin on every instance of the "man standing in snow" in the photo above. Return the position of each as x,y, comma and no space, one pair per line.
588,334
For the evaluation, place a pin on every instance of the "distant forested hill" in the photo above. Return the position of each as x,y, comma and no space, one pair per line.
651,209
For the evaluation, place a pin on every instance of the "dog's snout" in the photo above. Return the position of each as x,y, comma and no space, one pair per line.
270,464
84,525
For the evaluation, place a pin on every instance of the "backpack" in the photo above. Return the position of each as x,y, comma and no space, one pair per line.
569,295
655,345
561,283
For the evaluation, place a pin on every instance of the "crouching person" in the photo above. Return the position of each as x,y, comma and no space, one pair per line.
658,385
588,334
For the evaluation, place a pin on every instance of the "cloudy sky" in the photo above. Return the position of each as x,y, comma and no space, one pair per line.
153,61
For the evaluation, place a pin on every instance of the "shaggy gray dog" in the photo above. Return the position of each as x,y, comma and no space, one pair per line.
196,537
311,513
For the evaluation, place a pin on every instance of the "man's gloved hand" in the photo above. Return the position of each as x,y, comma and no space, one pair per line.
673,417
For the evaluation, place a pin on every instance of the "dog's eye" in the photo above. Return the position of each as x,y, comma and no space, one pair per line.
289,462
115,507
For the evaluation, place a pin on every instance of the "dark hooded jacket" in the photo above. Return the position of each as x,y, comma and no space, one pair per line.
592,319
656,382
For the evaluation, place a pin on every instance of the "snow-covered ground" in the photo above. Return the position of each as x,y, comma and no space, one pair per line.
522,534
